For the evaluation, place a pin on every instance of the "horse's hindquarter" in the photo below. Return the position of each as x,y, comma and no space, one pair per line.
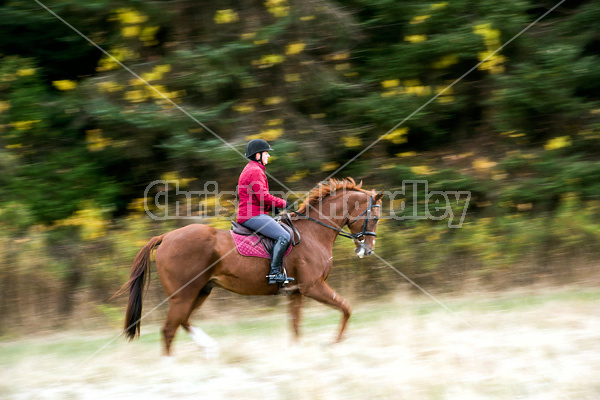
183,258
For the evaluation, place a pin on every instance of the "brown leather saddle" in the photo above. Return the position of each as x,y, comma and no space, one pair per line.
266,242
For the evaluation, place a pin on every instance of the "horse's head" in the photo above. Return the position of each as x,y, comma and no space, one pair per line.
362,222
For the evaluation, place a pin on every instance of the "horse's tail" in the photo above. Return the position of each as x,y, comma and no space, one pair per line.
140,277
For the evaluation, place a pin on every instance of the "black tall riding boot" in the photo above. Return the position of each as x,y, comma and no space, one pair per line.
275,274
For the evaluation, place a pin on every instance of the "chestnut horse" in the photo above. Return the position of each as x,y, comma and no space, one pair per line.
190,261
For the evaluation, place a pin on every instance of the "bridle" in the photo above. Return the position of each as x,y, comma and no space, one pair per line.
360,236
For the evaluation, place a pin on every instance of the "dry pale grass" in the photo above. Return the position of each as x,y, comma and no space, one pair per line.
526,346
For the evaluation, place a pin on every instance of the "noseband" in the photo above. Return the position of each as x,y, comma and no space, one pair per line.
360,236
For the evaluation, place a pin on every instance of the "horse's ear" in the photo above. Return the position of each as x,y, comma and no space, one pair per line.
378,196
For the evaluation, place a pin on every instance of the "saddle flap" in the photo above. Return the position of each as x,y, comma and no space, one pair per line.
267,243
241,229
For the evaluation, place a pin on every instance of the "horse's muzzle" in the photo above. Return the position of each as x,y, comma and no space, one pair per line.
362,251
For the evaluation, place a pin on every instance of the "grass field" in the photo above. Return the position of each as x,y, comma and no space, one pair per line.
520,345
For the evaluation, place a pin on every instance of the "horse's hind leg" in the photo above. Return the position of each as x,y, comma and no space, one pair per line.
179,309
210,346
323,293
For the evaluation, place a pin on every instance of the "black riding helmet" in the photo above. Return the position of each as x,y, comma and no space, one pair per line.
256,146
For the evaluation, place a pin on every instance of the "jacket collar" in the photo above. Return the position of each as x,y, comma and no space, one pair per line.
259,164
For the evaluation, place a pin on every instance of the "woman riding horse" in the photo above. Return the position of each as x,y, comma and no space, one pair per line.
255,201
194,259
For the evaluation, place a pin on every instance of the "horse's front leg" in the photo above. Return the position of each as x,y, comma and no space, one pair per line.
323,293
295,308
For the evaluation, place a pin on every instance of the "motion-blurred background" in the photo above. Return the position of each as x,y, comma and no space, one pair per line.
81,138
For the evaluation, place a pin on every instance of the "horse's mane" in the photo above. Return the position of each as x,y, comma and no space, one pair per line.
326,188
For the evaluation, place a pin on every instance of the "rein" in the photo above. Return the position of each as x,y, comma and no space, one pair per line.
353,236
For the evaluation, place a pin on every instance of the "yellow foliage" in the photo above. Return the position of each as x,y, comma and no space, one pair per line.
226,16
318,116
329,166
130,31
421,170
269,60
447,90
279,8
261,41
415,38
307,18
271,134
483,163
157,92
109,87
338,57
418,90
155,75
270,101
297,176
244,108
290,78
65,84
295,48
406,154
267,134
135,96
4,105
130,16
26,72
437,6
119,53
390,83
148,35
162,69
558,142
491,38
151,76
445,61
389,93
419,19
274,122
24,125
170,176
445,99
247,35
397,136
412,82
351,141
95,141
342,67
90,219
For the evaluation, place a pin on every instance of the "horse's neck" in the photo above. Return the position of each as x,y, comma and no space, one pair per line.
322,212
